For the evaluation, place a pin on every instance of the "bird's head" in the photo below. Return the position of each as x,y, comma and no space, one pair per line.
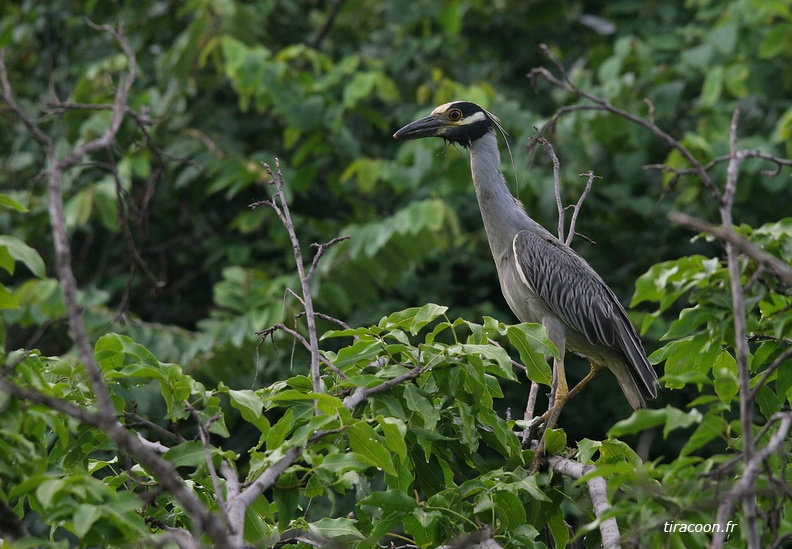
460,122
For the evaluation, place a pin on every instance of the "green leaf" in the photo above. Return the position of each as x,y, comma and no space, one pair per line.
7,299
360,352
641,420
769,403
85,517
712,426
616,451
24,253
395,432
498,361
360,87
529,485
187,454
426,413
776,42
47,490
367,443
725,373
558,529
8,202
555,441
340,529
586,450
677,419
425,315
713,86
531,342
341,463
279,431
327,404
508,508
250,405
392,500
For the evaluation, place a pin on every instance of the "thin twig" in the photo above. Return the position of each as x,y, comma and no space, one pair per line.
361,394
600,104
203,432
530,407
281,207
268,332
320,251
134,420
576,208
556,185
744,489
724,233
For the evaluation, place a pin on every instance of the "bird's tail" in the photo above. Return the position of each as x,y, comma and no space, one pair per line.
631,389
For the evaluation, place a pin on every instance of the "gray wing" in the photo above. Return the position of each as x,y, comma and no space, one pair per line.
567,285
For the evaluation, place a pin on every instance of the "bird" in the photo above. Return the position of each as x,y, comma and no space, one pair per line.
542,279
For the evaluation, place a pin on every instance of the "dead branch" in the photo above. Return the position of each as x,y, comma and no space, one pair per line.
744,489
599,104
105,419
598,491
281,208
362,394
268,332
131,443
777,266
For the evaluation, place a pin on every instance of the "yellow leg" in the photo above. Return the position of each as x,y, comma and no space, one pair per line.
593,374
559,396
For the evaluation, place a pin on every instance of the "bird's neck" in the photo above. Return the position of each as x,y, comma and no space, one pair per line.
503,216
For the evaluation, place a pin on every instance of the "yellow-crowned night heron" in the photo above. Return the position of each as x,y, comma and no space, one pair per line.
542,279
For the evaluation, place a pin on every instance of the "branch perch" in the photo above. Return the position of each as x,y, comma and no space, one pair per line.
598,490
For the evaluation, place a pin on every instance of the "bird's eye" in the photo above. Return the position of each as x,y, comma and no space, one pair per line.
455,115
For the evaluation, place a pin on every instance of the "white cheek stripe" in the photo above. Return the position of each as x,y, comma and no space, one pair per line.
472,119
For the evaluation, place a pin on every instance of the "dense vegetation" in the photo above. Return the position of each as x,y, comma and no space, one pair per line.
168,395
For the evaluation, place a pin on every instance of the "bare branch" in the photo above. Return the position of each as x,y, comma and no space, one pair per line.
740,331
131,443
268,332
323,316
598,490
361,394
266,480
577,206
321,33
780,268
556,185
744,488
203,432
530,407
320,251
279,204
600,104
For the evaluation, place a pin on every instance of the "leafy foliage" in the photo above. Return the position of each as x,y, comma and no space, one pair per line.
176,275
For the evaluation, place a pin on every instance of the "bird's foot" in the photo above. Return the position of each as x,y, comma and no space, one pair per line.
532,432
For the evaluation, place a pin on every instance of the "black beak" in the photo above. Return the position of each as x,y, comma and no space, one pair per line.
429,126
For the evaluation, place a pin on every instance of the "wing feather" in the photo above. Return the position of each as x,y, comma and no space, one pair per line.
567,285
